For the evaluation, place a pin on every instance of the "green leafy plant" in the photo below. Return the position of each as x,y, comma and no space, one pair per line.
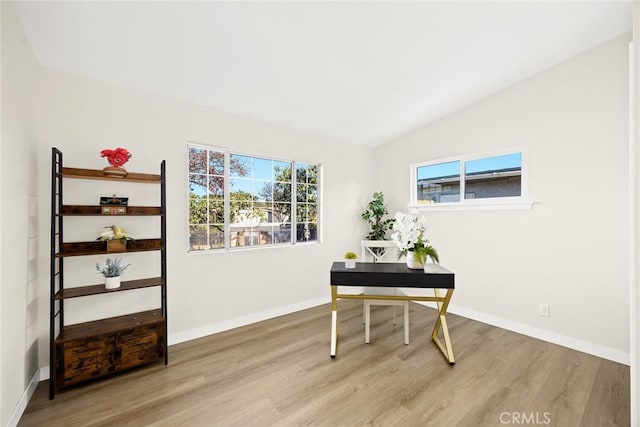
112,268
350,255
422,252
375,216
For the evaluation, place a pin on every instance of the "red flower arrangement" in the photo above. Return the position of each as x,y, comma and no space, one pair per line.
117,157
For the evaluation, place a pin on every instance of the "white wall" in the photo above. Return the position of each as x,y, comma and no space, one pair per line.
571,249
19,198
635,219
206,292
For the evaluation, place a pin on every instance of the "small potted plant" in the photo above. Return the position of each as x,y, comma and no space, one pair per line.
116,238
350,260
112,272
378,224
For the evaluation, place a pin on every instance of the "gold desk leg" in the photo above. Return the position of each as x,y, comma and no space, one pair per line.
334,320
441,322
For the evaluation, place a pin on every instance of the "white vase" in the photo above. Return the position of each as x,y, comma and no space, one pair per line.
112,282
412,262
349,263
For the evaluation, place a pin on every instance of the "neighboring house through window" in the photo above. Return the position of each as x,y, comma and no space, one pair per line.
462,180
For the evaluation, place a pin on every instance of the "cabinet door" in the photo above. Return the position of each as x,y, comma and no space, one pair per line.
138,346
82,359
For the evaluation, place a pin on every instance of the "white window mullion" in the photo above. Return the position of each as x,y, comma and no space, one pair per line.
207,183
294,203
319,204
413,194
227,200
463,181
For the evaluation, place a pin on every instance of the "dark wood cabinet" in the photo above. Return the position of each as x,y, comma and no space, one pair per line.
138,346
86,351
93,349
84,358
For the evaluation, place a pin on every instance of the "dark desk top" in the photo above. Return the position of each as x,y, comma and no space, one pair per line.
391,274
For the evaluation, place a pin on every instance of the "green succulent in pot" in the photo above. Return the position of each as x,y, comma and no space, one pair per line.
350,255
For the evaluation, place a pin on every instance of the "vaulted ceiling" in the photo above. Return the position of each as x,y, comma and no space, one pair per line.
360,72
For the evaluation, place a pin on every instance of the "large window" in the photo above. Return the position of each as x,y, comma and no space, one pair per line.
238,200
465,179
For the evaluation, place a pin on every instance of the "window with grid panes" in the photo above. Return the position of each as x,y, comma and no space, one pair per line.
238,200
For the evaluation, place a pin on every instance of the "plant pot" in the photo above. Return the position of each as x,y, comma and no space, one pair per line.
349,263
112,282
114,171
412,262
116,246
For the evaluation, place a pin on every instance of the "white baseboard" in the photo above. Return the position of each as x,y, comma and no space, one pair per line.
541,334
214,328
24,400
44,373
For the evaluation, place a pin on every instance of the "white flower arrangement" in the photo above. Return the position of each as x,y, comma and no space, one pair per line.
113,232
409,235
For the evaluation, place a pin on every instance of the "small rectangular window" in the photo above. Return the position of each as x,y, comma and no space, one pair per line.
491,177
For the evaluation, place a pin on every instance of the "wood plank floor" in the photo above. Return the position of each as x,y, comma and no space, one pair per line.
278,372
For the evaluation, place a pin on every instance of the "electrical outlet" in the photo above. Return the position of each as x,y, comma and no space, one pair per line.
543,310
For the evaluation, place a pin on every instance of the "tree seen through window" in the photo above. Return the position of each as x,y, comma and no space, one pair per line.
261,200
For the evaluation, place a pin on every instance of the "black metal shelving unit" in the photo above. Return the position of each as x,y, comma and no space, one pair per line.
59,331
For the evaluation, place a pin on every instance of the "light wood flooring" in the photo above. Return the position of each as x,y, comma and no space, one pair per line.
278,372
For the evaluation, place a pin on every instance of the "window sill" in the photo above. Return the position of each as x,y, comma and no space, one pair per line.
249,248
474,206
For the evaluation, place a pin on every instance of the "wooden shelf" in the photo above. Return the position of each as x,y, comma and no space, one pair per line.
89,350
85,210
108,325
100,247
84,291
98,174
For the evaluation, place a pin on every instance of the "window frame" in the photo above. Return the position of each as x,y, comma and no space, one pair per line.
489,203
227,247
